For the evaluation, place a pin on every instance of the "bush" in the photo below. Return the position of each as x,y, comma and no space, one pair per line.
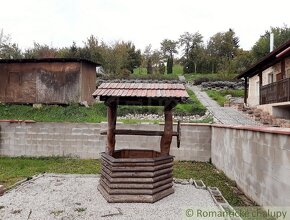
201,80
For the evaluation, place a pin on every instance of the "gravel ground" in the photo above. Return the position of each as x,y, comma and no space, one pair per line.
52,196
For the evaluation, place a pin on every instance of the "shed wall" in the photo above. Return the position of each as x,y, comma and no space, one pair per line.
88,82
47,82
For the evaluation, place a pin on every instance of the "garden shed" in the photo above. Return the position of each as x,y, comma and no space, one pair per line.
47,81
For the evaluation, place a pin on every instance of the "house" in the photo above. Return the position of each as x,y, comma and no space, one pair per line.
47,81
267,83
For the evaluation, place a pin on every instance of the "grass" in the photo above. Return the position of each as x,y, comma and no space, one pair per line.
219,95
54,113
211,76
15,169
193,106
18,168
94,114
177,70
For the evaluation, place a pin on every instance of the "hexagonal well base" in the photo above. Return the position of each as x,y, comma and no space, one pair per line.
136,176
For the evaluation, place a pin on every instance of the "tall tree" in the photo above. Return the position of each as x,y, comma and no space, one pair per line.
8,50
262,46
169,48
222,48
134,57
192,45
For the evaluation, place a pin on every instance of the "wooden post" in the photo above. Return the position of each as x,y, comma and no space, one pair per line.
168,130
112,117
246,90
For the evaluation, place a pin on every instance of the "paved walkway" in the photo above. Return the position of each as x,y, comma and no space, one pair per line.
225,115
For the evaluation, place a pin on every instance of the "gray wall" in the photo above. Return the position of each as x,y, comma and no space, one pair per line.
83,140
257,159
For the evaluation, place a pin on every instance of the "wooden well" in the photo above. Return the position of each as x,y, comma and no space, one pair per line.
136,176
130,175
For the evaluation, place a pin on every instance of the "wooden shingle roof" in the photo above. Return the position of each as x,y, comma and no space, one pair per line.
145,92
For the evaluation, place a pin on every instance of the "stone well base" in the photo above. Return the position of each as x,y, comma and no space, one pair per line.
136,176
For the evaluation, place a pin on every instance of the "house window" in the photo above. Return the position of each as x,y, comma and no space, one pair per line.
288,73
257,88
270,78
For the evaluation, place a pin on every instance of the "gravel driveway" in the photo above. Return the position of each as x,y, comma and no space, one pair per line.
52,196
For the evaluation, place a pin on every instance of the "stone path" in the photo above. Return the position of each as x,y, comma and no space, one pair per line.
225,115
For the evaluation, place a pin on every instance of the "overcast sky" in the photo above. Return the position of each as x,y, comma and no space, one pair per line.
60,22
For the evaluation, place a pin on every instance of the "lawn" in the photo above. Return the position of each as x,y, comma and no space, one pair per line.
15,169
219,95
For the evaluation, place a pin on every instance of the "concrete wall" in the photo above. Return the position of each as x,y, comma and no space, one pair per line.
83,140
258,159
279,110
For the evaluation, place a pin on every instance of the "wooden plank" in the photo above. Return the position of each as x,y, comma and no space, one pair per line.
137,168
136,185
135,198
141,174
132,165
138,132
135,179
135,160
135,191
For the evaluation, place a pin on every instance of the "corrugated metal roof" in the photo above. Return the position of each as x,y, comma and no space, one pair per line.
141,90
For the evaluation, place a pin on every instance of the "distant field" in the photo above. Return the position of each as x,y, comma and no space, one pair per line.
177,70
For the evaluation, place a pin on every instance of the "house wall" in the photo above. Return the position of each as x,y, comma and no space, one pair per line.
279,110
46,82
253,94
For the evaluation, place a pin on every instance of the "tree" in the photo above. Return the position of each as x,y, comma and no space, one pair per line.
222,48
262,46
149,66
134,57
40,51
192,46
168,48
8,50
147,58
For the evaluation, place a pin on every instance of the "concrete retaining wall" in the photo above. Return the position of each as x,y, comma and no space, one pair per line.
257,159
83,140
